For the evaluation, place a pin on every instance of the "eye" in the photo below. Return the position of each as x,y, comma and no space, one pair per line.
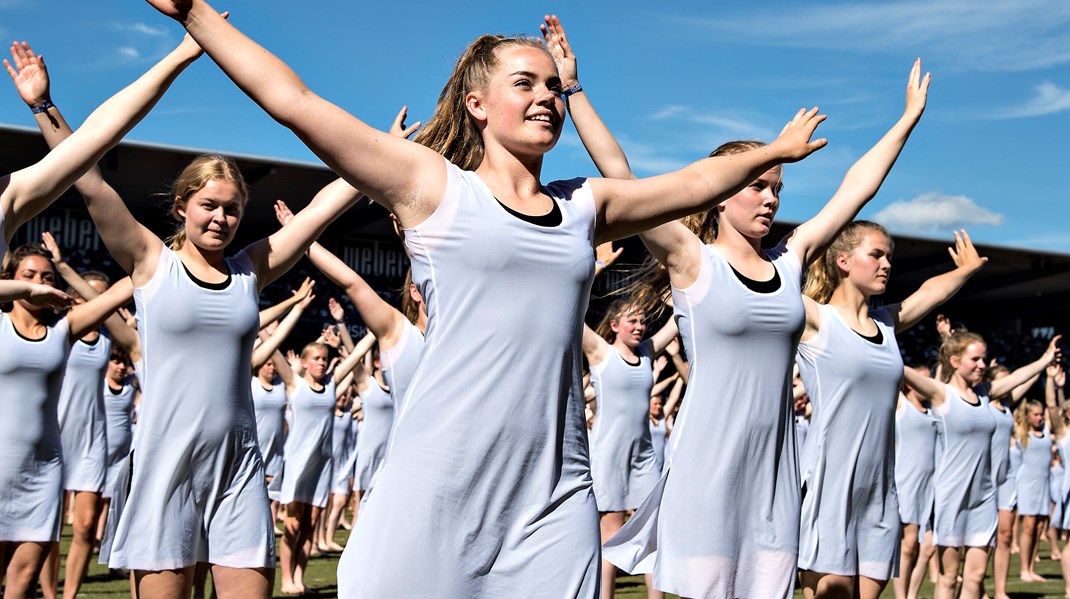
522,83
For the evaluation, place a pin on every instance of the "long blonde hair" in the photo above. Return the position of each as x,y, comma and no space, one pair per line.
649,287
824,275
617,310
1021,421
193,178
452,131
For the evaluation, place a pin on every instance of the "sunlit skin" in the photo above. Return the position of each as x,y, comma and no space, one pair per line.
869,265
35,269
212,215
628,329
117,371
520,109
266,374
970,364
656,406
752,210
315,365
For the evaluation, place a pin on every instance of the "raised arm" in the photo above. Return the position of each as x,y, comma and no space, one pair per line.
941,288
338,313
272,313
864,178
664,383
407,178
670,404
36,293
88,315
264,352
1055,409
627,207
682,366
30,190
383,320
665,335
931,389
603,148
1018,393
1004,385
359,350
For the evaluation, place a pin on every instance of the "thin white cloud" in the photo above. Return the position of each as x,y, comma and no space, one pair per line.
142,28
128,53
726,124
993,36
934,211
1047,99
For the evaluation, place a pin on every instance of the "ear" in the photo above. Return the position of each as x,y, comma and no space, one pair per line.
414,293
843,263
180,207
474,103
955,362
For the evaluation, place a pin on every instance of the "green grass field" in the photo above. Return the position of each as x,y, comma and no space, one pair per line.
321,579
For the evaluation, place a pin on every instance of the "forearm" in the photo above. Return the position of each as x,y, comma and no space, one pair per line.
1019,377
272,313
599,142
932,293
681,365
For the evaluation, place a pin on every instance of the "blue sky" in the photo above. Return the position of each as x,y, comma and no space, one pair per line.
672,79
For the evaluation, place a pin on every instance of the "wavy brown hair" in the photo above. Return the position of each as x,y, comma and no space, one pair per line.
955,345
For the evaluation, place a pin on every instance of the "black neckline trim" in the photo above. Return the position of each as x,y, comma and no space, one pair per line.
769,286
25,338
206,285
90,343
638,363
552,218
876,338
113,390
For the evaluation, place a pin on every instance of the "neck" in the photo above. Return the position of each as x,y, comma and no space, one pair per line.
421,320
959,383
736,243
849,300
25,319
509,175
198,256
623,348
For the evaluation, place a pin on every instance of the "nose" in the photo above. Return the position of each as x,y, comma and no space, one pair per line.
548,97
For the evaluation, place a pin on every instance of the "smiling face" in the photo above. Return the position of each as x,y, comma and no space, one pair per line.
868,265
212,214
519,107
970,364
752,210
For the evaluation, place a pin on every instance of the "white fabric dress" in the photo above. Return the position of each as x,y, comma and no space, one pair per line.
1006,458
1033,485
915,463
1063,445
400,363
119,412
724,521
306,474
270,409
82,422
31,453
623,464
659,436
341,447
850,513
379,416
487,482
196,490
965,511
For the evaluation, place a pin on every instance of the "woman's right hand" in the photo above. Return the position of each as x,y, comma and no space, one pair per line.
29,74
793,144
49,297
557,43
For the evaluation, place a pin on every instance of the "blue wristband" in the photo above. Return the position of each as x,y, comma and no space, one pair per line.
575,89
42,107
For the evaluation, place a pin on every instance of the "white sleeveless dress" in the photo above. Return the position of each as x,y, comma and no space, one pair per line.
400,362
341,447
1033,485
659,436
82,422
270,409
196,486
850,513
119,412
306,473
965,511
724,520
623,463
915,463
31,452
1006,458
487,480
379,417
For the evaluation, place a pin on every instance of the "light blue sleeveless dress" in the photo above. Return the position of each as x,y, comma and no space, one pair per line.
306,474
82,421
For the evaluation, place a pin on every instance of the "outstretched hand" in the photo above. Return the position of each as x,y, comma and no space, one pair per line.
282,212
557,43
793,144
47,296
1053,353
943,326
29,74
52,247
305,290
398,128
605,254
965,254
338,313
917,91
